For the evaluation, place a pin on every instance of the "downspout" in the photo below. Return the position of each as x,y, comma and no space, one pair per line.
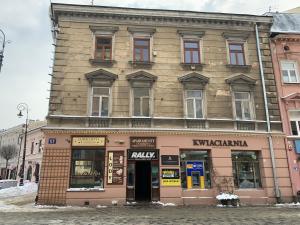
270,140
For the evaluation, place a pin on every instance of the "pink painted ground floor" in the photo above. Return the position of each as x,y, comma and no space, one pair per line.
91,167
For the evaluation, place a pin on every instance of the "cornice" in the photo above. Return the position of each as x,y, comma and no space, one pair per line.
158,16
98,131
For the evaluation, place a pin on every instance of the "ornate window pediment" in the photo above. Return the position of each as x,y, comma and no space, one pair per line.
101,77
194,80
241,82
141,78
292,97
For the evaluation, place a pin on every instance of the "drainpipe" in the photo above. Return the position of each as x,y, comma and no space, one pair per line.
270,140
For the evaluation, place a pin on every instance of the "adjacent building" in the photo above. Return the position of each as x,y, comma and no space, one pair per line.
34,151
34,147
11,136
149,105
285,46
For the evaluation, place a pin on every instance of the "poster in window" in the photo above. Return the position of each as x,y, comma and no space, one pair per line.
170,177
115,167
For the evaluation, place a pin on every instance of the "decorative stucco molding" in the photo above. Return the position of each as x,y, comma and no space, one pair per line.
141,78
147,30
187,32
241,82
193,80
235,35
101,77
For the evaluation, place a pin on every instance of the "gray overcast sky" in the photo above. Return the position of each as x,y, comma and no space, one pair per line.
27,59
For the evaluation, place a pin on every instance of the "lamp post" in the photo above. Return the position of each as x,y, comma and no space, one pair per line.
23,107
2,50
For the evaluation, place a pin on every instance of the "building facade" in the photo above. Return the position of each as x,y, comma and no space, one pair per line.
285,46
34,152
149,105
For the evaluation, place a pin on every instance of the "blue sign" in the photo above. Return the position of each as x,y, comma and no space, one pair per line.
297,146
52,141
194,166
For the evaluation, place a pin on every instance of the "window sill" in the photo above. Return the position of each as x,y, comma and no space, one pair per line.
141,63
85,190
102,62
233,66
192,66
291,83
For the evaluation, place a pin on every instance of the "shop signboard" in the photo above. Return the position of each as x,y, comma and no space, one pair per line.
88,141
169,160
170,177
115,167
142,142
142,155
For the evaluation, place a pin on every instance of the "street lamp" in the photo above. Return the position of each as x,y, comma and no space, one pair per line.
23,107
2,50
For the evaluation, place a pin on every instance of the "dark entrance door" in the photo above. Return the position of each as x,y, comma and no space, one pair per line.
143,180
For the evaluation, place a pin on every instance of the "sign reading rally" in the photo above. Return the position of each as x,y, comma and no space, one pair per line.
142,155
231,143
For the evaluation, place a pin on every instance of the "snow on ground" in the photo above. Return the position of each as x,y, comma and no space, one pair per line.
289,205
28,188
225,196
163,204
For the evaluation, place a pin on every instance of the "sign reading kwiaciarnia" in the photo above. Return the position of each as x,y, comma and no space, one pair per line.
231,143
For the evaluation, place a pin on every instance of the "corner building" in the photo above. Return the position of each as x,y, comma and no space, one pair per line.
161,105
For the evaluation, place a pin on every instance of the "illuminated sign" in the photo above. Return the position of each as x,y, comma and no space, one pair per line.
88,141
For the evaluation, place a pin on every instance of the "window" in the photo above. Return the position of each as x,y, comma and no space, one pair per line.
195,169
236,54
40,146
289,72
245,167
103,48
243,105
141,101
141,50
32,148
295,122
100,101
191,52
87,168
193,103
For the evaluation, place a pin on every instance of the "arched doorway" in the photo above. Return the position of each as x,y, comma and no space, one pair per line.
29,173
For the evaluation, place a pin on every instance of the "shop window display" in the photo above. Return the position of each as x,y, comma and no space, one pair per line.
246,169
87,168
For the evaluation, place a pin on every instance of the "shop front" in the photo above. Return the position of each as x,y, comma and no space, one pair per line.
142,170
180,168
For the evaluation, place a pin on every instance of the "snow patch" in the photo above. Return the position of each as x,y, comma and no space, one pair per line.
28,188
294,204
163,204
101,206
85,189
226,196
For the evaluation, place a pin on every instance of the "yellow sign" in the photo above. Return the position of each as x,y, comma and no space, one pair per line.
88,141
170,182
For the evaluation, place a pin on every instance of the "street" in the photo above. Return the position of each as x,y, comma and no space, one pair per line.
139,215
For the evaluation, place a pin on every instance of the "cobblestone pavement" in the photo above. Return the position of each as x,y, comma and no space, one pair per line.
144,215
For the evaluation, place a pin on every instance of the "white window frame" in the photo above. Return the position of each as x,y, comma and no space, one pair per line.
294,116
194,103
141,107
251,106
296,71
100,102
